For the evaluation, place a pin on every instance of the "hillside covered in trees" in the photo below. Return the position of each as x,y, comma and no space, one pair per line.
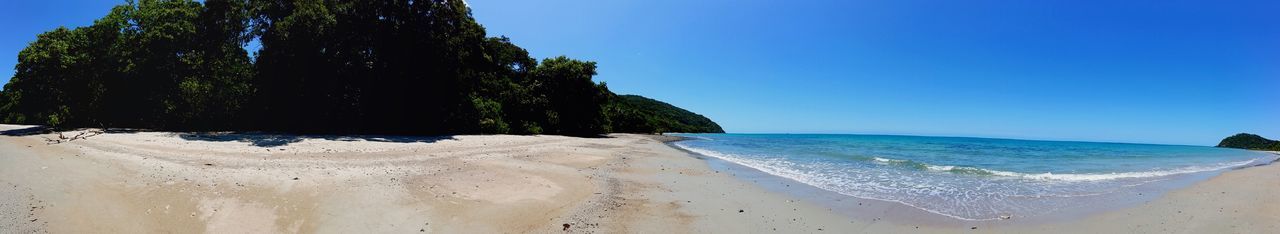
324,66
1249,141
633,113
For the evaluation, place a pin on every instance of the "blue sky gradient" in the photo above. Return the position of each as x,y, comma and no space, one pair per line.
1174,72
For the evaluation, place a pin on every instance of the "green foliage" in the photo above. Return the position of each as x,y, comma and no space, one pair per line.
153,63
56,80
627,118
637,114
489,116
330,66
373,66
578,101
1249,141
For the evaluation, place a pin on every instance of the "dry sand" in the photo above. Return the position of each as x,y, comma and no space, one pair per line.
155,182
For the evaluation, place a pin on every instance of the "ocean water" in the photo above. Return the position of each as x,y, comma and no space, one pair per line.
973,178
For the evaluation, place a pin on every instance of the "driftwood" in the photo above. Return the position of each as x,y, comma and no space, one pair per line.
82,135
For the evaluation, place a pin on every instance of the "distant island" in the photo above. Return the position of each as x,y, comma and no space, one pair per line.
1249,141
323,67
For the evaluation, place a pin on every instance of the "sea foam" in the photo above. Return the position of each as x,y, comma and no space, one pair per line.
983,179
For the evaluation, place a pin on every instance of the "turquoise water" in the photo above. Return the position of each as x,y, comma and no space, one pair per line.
971,178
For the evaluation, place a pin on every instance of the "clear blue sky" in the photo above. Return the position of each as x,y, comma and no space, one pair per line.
1177,72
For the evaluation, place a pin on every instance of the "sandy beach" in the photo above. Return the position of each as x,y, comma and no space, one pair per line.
160,182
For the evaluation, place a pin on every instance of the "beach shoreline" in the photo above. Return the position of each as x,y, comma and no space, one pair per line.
902,213
148,182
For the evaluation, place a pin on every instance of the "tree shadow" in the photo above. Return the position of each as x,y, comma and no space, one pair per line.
37,130
274,140
591,136
33,130
121,130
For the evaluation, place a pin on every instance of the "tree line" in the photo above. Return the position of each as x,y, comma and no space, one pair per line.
324,66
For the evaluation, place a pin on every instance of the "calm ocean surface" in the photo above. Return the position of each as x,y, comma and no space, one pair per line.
972,178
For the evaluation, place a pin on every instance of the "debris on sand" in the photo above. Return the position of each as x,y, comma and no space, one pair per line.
566,227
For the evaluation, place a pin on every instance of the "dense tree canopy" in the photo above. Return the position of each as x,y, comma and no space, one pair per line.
153,64
331,66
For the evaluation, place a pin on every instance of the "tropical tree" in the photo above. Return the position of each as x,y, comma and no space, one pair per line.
332,66
578,100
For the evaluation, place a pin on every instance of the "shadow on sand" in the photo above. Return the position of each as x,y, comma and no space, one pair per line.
273,140
37,130
33,130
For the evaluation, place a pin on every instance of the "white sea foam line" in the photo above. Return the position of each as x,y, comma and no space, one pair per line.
879,159
1129,175
802,178
1089,177
810,180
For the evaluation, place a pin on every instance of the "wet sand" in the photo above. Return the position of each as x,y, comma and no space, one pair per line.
157,182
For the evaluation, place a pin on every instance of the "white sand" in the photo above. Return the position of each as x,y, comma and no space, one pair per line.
167,182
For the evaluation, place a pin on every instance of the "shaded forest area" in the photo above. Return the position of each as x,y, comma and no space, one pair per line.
325,66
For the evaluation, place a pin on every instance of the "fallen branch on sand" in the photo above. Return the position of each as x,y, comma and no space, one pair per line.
82,135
